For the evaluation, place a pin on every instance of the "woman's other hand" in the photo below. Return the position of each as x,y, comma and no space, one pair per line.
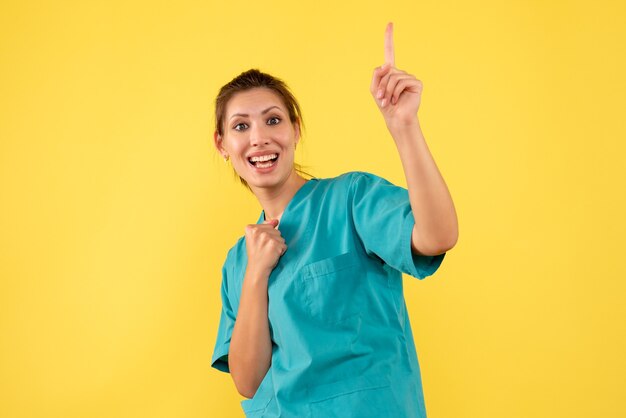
264,245
397,93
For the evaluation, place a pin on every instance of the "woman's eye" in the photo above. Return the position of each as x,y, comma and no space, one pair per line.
270,121
240,126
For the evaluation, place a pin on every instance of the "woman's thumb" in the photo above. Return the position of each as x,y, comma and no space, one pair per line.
274,222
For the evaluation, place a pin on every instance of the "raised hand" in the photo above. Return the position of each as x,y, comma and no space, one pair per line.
397,93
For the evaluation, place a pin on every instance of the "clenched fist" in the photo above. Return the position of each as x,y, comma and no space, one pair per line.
264,245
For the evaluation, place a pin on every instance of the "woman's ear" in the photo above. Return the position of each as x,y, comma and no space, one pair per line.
297,128
217,140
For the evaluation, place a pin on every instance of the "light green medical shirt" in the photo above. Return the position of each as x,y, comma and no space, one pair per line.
342,344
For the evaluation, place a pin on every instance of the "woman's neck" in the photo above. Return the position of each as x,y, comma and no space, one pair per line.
275,200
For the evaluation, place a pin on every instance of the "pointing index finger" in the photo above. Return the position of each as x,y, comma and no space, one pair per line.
389,52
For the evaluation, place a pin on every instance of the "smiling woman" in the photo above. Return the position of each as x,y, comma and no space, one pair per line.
314,321
237,100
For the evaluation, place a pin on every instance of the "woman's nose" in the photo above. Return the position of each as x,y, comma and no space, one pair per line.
258,134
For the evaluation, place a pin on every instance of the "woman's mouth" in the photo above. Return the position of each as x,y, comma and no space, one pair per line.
263,161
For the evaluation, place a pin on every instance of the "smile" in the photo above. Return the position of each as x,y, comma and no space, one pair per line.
264,161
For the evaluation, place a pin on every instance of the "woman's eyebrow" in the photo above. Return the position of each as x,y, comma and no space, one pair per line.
263,112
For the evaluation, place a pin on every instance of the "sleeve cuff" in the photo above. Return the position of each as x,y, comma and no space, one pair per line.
418,266
220,359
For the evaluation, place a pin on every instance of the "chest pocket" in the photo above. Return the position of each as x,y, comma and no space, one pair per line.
332,288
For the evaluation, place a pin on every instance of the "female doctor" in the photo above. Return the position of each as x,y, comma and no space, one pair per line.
313,320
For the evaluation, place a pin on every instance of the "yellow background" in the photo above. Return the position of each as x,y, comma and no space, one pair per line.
116,212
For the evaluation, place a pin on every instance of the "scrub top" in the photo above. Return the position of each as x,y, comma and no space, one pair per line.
342,344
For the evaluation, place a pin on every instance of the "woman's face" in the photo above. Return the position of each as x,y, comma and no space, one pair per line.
259,138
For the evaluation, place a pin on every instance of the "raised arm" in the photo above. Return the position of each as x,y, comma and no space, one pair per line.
398,96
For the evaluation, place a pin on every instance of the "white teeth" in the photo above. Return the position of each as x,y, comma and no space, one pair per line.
265,165
263,157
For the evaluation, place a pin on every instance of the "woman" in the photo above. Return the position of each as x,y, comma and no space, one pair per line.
314,322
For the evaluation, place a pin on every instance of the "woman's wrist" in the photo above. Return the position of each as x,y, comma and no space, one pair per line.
401,130
256,275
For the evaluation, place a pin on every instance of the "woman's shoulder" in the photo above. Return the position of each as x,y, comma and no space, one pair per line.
354,180
347,184
350,177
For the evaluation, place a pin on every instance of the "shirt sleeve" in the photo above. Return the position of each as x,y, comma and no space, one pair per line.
384,222
225,328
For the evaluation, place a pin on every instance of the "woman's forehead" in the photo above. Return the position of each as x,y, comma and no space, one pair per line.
254,101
